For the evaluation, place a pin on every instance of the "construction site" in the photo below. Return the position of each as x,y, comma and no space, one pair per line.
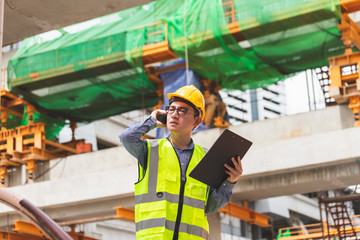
76,74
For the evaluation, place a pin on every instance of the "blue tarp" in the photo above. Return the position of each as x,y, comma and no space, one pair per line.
173,81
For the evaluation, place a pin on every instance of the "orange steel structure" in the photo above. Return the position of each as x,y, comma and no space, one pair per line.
246,214
32,232
159,51
128,214
349,6
344,69
17,236
231,209
28,228
26,144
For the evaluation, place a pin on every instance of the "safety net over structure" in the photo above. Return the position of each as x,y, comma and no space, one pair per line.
95,69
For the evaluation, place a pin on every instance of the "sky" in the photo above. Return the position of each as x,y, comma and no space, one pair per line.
297,96
296,89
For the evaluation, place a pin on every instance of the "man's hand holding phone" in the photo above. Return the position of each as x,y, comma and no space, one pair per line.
160,116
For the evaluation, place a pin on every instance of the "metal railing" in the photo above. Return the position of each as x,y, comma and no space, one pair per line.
317,230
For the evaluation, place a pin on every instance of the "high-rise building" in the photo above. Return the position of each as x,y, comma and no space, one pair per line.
256,104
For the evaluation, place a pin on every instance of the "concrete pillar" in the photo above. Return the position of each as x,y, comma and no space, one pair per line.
215,226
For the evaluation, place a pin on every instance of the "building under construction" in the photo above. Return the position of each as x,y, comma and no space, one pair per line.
74,76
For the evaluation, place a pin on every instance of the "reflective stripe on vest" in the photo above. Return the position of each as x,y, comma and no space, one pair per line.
157,196
153,223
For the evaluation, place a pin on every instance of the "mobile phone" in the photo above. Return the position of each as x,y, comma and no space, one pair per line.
162,117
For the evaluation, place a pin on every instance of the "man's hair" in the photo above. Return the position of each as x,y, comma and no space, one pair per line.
179,99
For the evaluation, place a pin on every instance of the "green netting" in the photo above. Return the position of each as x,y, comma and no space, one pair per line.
94,69
52,126
279,38
13,121
287,233
293,35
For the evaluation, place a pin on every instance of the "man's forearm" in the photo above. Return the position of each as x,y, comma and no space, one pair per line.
219,197
131,138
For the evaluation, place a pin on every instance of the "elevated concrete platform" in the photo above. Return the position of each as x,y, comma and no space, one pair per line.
293,154
24,19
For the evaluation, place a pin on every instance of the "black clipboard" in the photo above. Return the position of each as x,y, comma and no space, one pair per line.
211,170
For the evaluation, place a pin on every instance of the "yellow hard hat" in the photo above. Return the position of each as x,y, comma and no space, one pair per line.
192,95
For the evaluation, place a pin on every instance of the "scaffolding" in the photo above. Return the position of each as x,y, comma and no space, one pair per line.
320,231
343,224
339,223
27,144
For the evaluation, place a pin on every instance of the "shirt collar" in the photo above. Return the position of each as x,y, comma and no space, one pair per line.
190,147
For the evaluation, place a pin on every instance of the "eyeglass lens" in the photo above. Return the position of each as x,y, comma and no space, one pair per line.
181,110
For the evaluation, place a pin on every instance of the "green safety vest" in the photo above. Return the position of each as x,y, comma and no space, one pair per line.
167,205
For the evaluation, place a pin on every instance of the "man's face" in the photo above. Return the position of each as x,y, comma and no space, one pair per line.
181,124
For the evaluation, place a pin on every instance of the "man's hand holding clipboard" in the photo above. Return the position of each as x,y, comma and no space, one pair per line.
223,160
236,172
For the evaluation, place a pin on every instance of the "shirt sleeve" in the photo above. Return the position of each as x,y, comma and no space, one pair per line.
131,139
219,197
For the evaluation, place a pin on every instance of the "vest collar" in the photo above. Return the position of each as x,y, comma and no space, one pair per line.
190,147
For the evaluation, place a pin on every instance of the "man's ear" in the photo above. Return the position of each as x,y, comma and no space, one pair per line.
197,121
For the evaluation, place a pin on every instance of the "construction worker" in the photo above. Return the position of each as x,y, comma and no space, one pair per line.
169,204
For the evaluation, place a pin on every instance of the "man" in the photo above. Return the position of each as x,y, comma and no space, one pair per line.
169,204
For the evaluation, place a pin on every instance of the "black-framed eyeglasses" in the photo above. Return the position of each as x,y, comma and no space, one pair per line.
180,110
